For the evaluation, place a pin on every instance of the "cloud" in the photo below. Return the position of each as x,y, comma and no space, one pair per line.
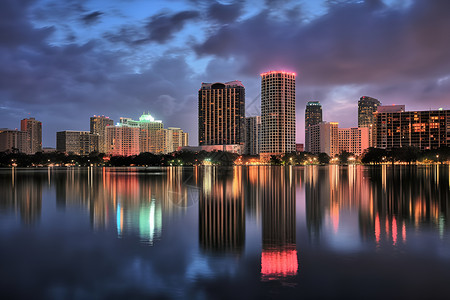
162,27
92,17
225,13
352,43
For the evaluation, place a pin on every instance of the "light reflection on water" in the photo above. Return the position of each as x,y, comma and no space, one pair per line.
207,232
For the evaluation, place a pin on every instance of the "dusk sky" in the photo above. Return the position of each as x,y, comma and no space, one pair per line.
65,61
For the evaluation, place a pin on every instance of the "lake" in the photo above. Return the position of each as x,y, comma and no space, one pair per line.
346,232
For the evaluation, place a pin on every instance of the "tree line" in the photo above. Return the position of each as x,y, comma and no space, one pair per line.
183,158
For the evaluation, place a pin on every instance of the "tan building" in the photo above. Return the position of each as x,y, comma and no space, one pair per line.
324,138
76,142
14,140
354,140
34,129
122,140
332,140
221,113
98,126
277,113
174,139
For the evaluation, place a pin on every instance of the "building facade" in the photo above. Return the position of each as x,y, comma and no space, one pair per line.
313,116
421,129
221,113
252,135
76,142
324,138
174,139
34,129
354,140
14,141
277,113
98,126
122,140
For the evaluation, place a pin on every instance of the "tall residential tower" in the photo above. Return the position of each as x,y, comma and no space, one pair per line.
277,113
221,113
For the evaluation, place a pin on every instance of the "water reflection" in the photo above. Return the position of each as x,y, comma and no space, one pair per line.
222,211
279,251
383,203
186,231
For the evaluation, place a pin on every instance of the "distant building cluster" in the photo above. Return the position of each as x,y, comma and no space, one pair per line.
128,137
27,140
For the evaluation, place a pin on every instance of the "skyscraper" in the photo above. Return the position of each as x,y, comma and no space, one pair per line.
366,107
221,113
277,113
34,129
313,116
98,126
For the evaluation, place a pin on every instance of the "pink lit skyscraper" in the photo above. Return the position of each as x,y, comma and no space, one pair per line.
277,113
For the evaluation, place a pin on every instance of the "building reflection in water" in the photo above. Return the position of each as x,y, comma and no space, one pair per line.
279,259
387,202
135,200
22,193
222,211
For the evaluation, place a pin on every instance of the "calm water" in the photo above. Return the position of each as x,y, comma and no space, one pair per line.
214,233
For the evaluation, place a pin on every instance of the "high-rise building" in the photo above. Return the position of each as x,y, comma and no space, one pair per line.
422,129
324,138
34,129
76,142
313,116
122,140
367,106
252,135
14,140
221,113
98,126
277,113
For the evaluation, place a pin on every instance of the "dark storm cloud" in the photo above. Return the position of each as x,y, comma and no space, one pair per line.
162,27
352,43
92,17
225,13
15,28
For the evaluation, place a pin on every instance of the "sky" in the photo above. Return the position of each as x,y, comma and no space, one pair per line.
65,61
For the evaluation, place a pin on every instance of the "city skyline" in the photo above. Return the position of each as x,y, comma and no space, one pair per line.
72,60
